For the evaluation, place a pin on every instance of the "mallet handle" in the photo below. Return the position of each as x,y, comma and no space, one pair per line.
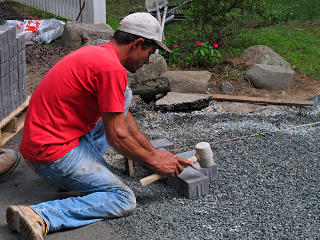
155,177
150,179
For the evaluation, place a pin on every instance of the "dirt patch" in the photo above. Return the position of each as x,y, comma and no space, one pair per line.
40,58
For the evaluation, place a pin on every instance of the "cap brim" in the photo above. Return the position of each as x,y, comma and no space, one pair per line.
162,46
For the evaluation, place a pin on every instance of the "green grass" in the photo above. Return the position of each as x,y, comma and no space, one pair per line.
118,9
296,9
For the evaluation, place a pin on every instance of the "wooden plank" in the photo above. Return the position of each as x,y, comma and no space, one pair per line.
13,123
22,107
221,97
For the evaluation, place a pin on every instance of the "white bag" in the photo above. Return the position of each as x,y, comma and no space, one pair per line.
38,31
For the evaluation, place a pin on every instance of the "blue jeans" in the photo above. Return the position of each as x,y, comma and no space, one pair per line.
84,170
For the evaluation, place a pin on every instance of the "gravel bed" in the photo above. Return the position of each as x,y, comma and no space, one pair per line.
267,187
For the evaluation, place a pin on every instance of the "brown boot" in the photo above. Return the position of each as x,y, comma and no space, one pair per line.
26,222
9,160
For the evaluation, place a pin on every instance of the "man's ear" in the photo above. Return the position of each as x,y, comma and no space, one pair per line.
138,42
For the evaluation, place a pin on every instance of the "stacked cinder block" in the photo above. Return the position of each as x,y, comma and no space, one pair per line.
12,70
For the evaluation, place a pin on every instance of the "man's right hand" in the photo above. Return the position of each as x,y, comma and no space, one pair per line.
168,164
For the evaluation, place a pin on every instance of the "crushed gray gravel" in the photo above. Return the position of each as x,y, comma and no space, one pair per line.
267,187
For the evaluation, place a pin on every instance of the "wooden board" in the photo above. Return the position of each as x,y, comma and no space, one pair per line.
13,123
221,97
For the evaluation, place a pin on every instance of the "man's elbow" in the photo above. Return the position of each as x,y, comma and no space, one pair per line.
116,137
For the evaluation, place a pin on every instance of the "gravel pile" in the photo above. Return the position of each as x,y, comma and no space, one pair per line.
268,186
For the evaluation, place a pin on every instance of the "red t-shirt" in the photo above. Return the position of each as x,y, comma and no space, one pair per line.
69,100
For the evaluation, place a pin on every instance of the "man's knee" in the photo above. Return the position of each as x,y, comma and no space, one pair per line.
129,204
124,203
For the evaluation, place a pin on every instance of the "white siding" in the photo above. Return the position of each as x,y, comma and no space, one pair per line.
93,12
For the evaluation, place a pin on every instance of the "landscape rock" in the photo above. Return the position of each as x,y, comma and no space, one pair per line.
97,42
188,81
156,67
261,54
271,77
149,89
227,88
181,102
77,34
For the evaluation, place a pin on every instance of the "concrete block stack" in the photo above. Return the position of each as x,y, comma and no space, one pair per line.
13,90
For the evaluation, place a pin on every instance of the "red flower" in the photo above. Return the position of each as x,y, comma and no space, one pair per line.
175,46
216,45
198,43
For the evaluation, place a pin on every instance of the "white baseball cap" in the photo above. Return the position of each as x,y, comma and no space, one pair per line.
144,25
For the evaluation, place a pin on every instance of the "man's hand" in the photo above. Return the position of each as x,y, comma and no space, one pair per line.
168,164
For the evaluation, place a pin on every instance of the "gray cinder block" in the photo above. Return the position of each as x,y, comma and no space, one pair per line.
4,68
20,42
190,183
13,63
162,143
4,54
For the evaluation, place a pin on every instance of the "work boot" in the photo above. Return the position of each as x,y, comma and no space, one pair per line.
26,222
9,160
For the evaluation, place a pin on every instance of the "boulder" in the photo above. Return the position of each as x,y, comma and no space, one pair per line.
147,81
188,81
260,54
77,34
181,102
156,67
271,77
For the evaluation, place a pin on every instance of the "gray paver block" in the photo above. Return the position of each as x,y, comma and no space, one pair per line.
14,96
3,38
162,143
21,56
211,172
20,42
187,154
11,31
13,63
4,68
13,77
12,49
21,70
4,54
190,183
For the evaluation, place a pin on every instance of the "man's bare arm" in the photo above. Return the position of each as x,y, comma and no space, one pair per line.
119,133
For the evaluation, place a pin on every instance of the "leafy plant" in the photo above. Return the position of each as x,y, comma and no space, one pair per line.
205,55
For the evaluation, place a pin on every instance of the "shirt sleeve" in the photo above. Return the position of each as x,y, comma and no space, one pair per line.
110,88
